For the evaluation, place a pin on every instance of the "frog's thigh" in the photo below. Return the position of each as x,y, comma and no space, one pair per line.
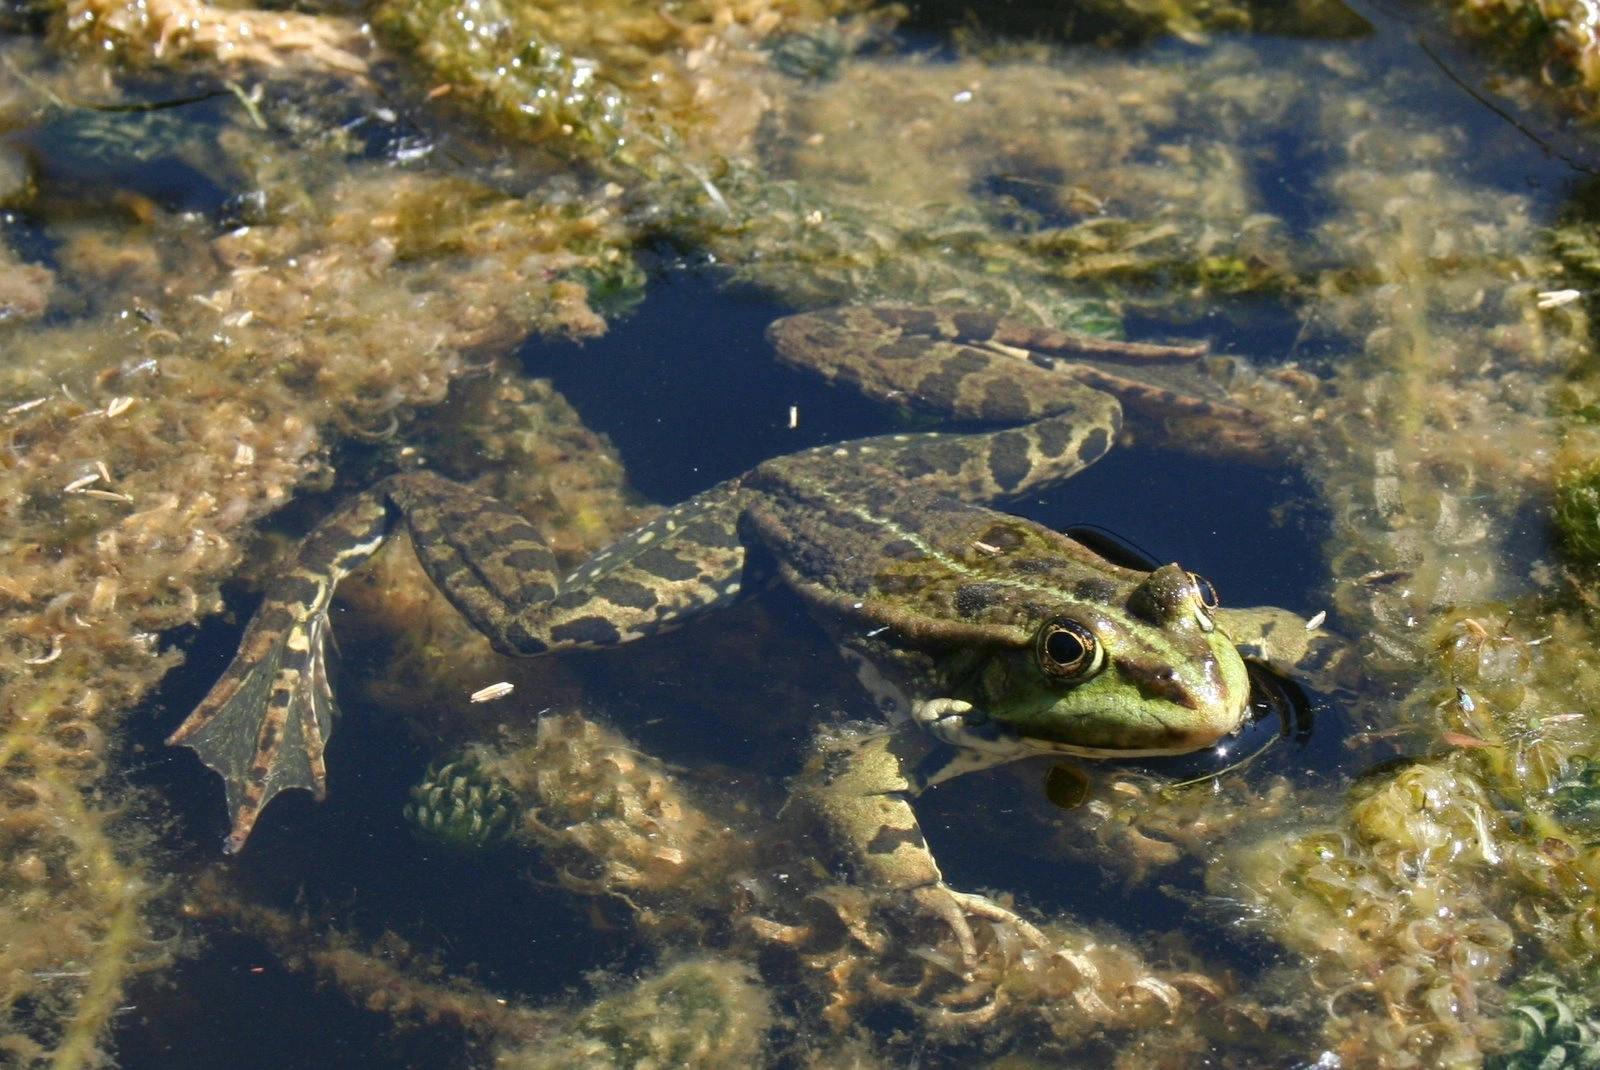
489,561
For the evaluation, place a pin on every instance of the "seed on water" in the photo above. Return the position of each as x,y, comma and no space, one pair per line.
493,691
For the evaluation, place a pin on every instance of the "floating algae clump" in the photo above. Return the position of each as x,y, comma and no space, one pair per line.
622,84
616,822
496,54
1388,911
198,386
701,1012
1018,185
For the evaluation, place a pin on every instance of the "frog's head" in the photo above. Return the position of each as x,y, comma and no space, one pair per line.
1145,675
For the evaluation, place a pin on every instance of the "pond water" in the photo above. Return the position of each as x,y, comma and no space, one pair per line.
1341,211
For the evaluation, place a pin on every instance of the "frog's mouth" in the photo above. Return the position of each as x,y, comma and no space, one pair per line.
1280,712
1151,736
1078,750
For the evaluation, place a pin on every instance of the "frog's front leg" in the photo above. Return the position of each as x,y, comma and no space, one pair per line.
1292,646
862,786
264,725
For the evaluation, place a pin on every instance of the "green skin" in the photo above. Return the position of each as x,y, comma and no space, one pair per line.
989,637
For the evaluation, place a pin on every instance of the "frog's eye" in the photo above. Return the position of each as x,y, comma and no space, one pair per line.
1068,651
1208,593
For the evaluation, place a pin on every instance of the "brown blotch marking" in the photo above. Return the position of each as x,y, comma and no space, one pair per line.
1009,463
899,582
975,325
882,498
910,320
1004,399
710,532
576,598
519,641
1094,589
900,349
531,595
589,631
663,562
939,457
625,593
1004,537
901,550
268,739
526,559
495,524
943,384
1094,445
889,840
971,599
1054,437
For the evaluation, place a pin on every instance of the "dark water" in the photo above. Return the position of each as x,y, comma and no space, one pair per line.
232,1002
353,857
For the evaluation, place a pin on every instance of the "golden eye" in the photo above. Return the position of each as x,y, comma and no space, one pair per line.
1068,650
1208,593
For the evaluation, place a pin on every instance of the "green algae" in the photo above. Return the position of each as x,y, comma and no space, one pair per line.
700,1012
457,804
212,374
1557,1027
514,75
1576,511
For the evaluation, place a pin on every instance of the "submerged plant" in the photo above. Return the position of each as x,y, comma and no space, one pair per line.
1557,1026
1575,800
461,804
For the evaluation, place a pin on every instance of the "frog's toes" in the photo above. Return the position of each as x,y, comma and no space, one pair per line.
954,908
832,919
941,715
960,724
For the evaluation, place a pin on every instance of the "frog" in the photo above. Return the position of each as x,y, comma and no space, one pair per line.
986,637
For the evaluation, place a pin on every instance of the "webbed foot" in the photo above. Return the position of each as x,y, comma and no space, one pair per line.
264,725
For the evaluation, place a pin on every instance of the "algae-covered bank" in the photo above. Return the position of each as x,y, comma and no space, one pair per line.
252,259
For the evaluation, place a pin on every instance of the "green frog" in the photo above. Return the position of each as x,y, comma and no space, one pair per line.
989,637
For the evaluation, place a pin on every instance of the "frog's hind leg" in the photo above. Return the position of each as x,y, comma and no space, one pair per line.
264,725
492,565
495,568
